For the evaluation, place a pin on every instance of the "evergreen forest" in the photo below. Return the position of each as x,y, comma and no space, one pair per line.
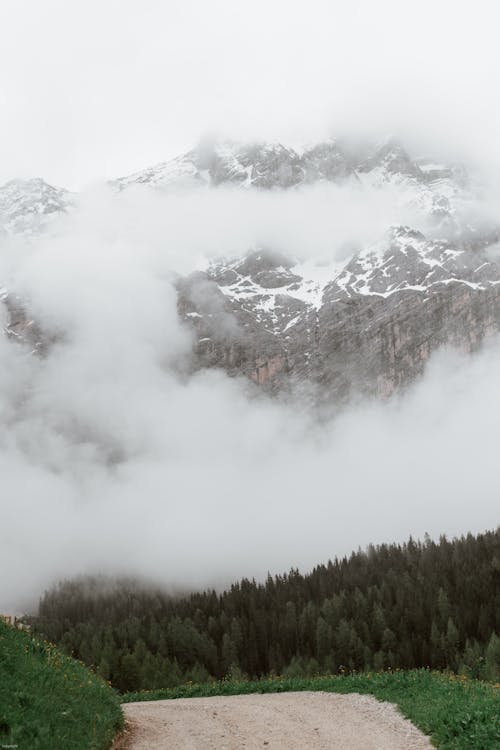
419,604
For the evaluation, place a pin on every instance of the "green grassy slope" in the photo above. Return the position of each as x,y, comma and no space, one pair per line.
49,701
457,713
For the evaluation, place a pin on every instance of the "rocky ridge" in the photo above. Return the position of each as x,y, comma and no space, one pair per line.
28,206
366,324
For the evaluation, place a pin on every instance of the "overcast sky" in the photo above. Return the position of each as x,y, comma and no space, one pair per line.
91,89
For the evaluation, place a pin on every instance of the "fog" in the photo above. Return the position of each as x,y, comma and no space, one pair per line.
93,90
114,460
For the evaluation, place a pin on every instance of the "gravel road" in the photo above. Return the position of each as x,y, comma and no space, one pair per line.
280,721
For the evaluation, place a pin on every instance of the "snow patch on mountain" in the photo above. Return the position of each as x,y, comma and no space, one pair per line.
368,320
28,206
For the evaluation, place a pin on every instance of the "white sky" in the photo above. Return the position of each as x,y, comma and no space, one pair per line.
92,89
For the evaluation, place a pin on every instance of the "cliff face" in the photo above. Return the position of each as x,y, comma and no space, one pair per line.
366,324
369,327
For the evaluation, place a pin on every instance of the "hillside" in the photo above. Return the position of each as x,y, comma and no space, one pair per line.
48,700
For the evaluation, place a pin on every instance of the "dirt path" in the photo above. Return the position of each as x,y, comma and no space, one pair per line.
281,721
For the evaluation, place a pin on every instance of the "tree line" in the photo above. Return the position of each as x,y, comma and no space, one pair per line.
418,604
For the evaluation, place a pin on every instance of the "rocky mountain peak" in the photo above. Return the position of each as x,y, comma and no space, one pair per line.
257,164
393,158
366,323
27,205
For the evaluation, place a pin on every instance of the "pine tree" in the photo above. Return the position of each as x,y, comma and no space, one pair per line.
492,658
323,640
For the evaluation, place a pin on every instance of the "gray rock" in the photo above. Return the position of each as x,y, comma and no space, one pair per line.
367,328
372,331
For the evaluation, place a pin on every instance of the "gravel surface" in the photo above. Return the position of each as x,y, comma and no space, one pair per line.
279,721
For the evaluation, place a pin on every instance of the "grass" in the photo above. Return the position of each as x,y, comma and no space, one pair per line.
49,701
457,713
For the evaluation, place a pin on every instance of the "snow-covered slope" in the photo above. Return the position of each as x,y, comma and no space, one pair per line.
437,190
367,324
404,261
262,165
27,206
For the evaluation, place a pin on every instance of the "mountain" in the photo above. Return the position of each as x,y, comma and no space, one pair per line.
364,325
27,206
257,165
435,189
367,325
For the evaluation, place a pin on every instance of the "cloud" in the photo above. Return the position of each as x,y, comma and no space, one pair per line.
113,460
100,90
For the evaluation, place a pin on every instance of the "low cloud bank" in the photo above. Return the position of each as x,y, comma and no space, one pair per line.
111,461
